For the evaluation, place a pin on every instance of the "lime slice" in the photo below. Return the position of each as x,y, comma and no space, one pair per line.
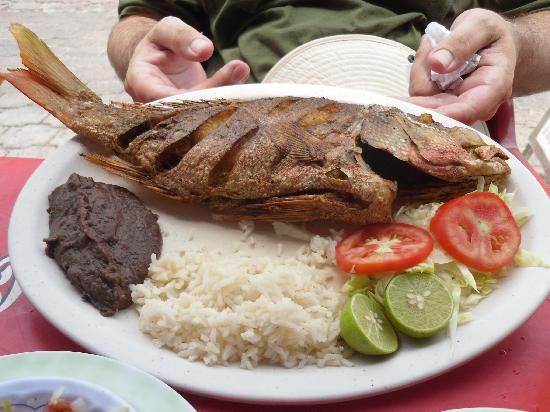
418,305
365,328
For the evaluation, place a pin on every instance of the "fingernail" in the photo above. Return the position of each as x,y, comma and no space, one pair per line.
444,56
198,45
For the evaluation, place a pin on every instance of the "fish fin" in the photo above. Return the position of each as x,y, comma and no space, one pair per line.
45,77
296,143
291,139
31,86
120,167
296,208
50,84
42,63
117,166
191,104
47,81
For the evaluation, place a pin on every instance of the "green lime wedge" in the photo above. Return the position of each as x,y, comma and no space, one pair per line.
418,305
365,328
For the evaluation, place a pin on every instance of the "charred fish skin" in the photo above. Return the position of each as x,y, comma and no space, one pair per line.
293,159
277,158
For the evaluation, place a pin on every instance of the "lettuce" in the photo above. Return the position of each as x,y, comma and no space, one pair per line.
425,268
468,286
525,258
359,284
419,215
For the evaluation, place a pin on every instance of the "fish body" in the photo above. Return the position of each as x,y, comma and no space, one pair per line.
285,158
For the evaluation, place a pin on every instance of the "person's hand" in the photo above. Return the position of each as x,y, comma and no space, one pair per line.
483,91
167,62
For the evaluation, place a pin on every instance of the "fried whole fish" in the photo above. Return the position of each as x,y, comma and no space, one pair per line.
289,158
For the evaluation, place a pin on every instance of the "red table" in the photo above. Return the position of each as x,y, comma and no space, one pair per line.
513,374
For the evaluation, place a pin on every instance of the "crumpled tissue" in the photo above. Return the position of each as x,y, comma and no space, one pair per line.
448,81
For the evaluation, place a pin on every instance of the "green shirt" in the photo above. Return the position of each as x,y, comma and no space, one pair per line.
260,32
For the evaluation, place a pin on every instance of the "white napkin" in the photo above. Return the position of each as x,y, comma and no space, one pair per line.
448,81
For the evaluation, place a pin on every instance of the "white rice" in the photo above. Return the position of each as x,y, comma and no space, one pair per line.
224,309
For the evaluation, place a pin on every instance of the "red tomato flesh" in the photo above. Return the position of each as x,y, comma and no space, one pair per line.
383,247
477,229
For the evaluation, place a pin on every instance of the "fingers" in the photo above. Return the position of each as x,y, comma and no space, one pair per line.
476,104
420,83
146,83
433,102
154,84
479,96
173,34
234,72
472,31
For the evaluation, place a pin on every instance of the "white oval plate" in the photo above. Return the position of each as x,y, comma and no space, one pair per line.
118,384
119,337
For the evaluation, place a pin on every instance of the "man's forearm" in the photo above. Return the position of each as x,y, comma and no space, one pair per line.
124,38
532,72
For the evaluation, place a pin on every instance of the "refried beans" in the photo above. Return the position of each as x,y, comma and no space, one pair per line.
102,236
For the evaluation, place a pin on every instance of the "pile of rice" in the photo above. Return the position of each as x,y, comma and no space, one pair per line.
222,309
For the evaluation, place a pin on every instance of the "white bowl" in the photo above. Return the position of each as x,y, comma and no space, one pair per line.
33,393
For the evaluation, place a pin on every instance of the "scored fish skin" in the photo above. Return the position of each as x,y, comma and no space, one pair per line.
267,158
288,158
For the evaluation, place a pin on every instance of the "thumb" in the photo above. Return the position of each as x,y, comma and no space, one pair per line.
234,72
173,34
472,31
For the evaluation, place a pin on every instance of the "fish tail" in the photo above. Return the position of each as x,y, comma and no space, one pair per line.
50,84
46,81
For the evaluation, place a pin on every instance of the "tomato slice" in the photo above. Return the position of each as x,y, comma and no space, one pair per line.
383,247
477,229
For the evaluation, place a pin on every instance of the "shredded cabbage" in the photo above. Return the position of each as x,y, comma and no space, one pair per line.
425,268
292,230
6,405
525,258
468,286
418,215
380,288
359,284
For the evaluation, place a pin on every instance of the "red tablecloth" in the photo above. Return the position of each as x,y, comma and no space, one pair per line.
513,374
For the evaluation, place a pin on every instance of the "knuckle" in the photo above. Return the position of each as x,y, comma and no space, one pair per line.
169,21
167,26
487,19
461,40
175,24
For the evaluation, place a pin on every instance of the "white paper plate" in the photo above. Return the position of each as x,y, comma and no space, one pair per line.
354,61
507,308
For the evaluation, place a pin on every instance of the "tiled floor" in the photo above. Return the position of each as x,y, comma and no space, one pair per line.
78,32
